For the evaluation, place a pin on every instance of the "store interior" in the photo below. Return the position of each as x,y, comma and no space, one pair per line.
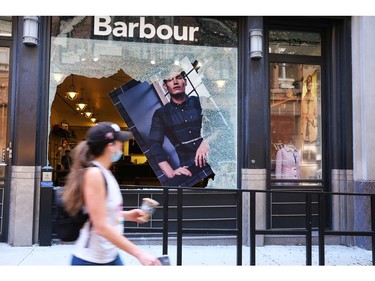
79,103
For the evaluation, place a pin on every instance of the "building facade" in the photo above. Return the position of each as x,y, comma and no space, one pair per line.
287,97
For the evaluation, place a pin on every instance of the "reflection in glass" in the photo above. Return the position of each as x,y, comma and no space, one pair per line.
295,121
4,90
294,43
5,26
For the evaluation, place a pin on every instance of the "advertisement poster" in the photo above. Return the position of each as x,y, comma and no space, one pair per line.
137,103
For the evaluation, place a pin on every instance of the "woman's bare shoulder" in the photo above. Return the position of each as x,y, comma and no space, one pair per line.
93,174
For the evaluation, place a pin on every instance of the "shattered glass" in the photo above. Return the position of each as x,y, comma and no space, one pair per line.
145,62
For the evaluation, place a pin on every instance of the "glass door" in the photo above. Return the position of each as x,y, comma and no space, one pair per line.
4,145
295,106
295,95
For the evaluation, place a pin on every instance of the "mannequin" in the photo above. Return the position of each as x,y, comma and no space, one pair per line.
288,161
309,113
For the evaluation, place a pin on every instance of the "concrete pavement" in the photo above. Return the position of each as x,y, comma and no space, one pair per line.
214,262
59,255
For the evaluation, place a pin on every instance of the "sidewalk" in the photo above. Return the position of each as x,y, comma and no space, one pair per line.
59,255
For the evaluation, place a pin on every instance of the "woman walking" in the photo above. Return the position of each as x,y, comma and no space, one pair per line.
91,185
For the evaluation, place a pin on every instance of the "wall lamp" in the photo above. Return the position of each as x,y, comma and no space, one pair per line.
256,43
30,30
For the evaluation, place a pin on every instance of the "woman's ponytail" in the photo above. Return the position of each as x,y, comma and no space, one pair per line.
72,192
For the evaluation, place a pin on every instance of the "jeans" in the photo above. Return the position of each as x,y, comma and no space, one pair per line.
78,261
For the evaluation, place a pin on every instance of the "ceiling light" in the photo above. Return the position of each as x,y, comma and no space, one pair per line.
72,94
81,105
93,118
88,113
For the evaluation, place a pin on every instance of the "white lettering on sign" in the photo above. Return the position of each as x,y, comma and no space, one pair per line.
102,27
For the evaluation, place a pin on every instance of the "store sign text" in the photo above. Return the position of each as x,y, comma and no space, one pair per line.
103,27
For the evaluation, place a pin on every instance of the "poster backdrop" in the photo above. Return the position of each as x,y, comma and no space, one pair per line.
137,103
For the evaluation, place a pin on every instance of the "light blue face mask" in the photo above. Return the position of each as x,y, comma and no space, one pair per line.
117,156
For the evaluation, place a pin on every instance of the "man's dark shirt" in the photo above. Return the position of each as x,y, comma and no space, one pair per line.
182,124
66,161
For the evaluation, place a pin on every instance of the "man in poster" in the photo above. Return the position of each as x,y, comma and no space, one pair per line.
181,121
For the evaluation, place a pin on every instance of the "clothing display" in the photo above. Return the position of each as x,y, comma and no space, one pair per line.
288,163
309,124
182,124
137,103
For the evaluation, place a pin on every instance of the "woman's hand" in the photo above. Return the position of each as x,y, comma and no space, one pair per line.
147,259
135,215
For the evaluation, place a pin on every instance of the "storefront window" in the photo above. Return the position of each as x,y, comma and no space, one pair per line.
5,26
4,92
295,106
141,48
294,43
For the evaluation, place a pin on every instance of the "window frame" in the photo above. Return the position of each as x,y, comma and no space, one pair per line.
305,60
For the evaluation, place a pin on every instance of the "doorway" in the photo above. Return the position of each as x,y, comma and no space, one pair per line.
5,144
296,143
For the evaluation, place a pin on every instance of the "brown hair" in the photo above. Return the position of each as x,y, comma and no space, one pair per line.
72,192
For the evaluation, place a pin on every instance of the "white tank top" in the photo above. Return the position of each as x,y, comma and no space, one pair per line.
89,245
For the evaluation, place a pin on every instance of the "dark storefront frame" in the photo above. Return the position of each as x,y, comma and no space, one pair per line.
334,62
28,109
251,88
336,82
252,100
215,202
289,211
252,97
